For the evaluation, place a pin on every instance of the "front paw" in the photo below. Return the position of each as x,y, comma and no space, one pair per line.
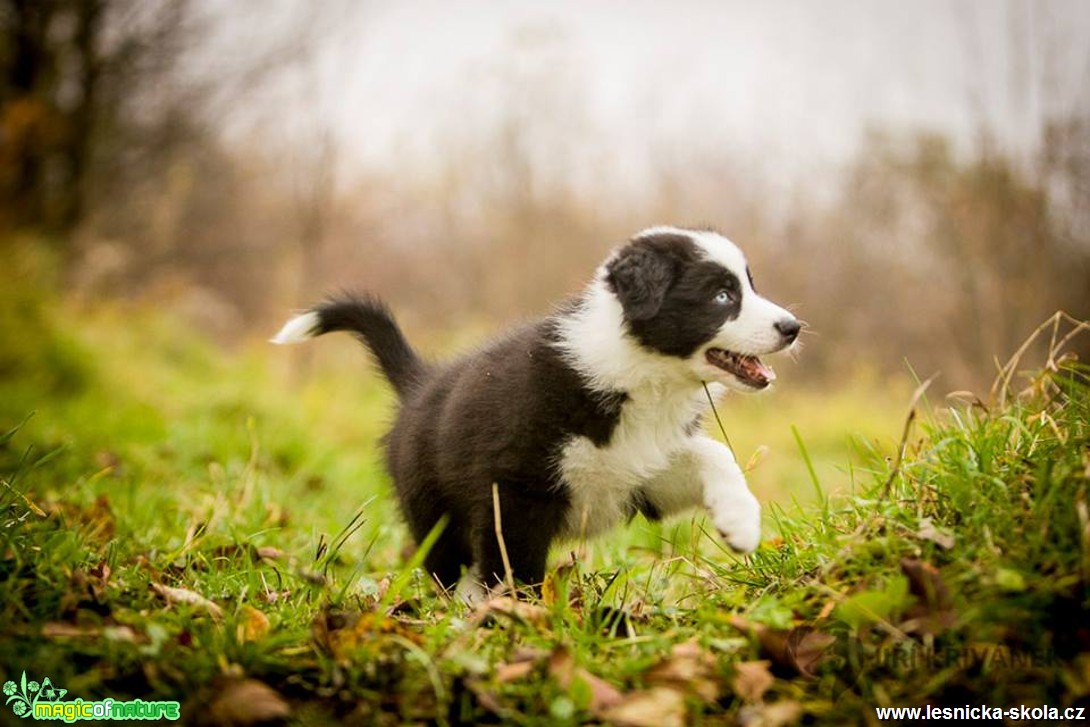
738,521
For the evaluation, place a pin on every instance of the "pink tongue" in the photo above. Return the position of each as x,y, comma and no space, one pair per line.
758,367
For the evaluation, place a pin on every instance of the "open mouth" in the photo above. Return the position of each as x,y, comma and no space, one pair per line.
747,369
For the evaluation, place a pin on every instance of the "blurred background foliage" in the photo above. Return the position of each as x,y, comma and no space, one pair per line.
199,157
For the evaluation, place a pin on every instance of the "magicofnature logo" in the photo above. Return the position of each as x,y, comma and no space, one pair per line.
27,694
44,701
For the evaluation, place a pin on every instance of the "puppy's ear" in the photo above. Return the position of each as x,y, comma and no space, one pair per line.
640,277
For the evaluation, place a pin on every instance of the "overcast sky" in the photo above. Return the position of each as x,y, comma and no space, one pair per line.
793,82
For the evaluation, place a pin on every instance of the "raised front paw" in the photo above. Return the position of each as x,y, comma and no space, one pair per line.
738,520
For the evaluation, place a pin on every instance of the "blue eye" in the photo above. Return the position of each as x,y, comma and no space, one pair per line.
722,297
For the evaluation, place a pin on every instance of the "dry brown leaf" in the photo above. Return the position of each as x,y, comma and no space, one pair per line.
826,610
689,669
344,633
806,649
800,649
187,597
512,608
933,612
253,624
776,714
512,672
247,702
522,663
124,634
90,585
561,663
655,707
928,531
101,572
529,653
752,679
268,552
550,588
563,669
61,630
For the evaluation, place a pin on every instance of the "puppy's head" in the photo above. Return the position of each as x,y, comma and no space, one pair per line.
689,295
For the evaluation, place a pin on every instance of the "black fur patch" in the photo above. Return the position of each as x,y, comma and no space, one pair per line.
500,415
667,275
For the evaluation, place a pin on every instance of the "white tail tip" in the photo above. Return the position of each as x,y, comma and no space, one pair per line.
298,329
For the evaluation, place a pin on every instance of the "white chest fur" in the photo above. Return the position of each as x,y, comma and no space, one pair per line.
664,397
603,480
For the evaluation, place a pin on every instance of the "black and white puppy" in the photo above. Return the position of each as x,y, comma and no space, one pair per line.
583,418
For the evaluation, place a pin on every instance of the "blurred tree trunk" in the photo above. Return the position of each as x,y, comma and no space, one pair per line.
50,70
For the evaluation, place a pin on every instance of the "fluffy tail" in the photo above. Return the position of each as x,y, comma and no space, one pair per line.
373,324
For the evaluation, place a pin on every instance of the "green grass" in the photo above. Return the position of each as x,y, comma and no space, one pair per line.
154,459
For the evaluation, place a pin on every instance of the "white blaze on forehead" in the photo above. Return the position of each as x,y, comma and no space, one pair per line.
715,247
724,252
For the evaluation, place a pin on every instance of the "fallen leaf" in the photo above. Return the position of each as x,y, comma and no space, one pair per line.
87,590
928,531
189,598
933,612
529,653
550,589
246,702
252,625
776,714
381,590
752,679
123,634
267,552
514,671
341,633
61,630
689,669
522,663
563,669
555,579
101,572
512,608
800,649
655,707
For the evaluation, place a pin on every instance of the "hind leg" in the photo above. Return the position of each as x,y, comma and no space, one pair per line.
447,558
530,522
450,552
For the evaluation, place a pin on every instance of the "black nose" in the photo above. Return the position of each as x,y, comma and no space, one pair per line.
789,328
